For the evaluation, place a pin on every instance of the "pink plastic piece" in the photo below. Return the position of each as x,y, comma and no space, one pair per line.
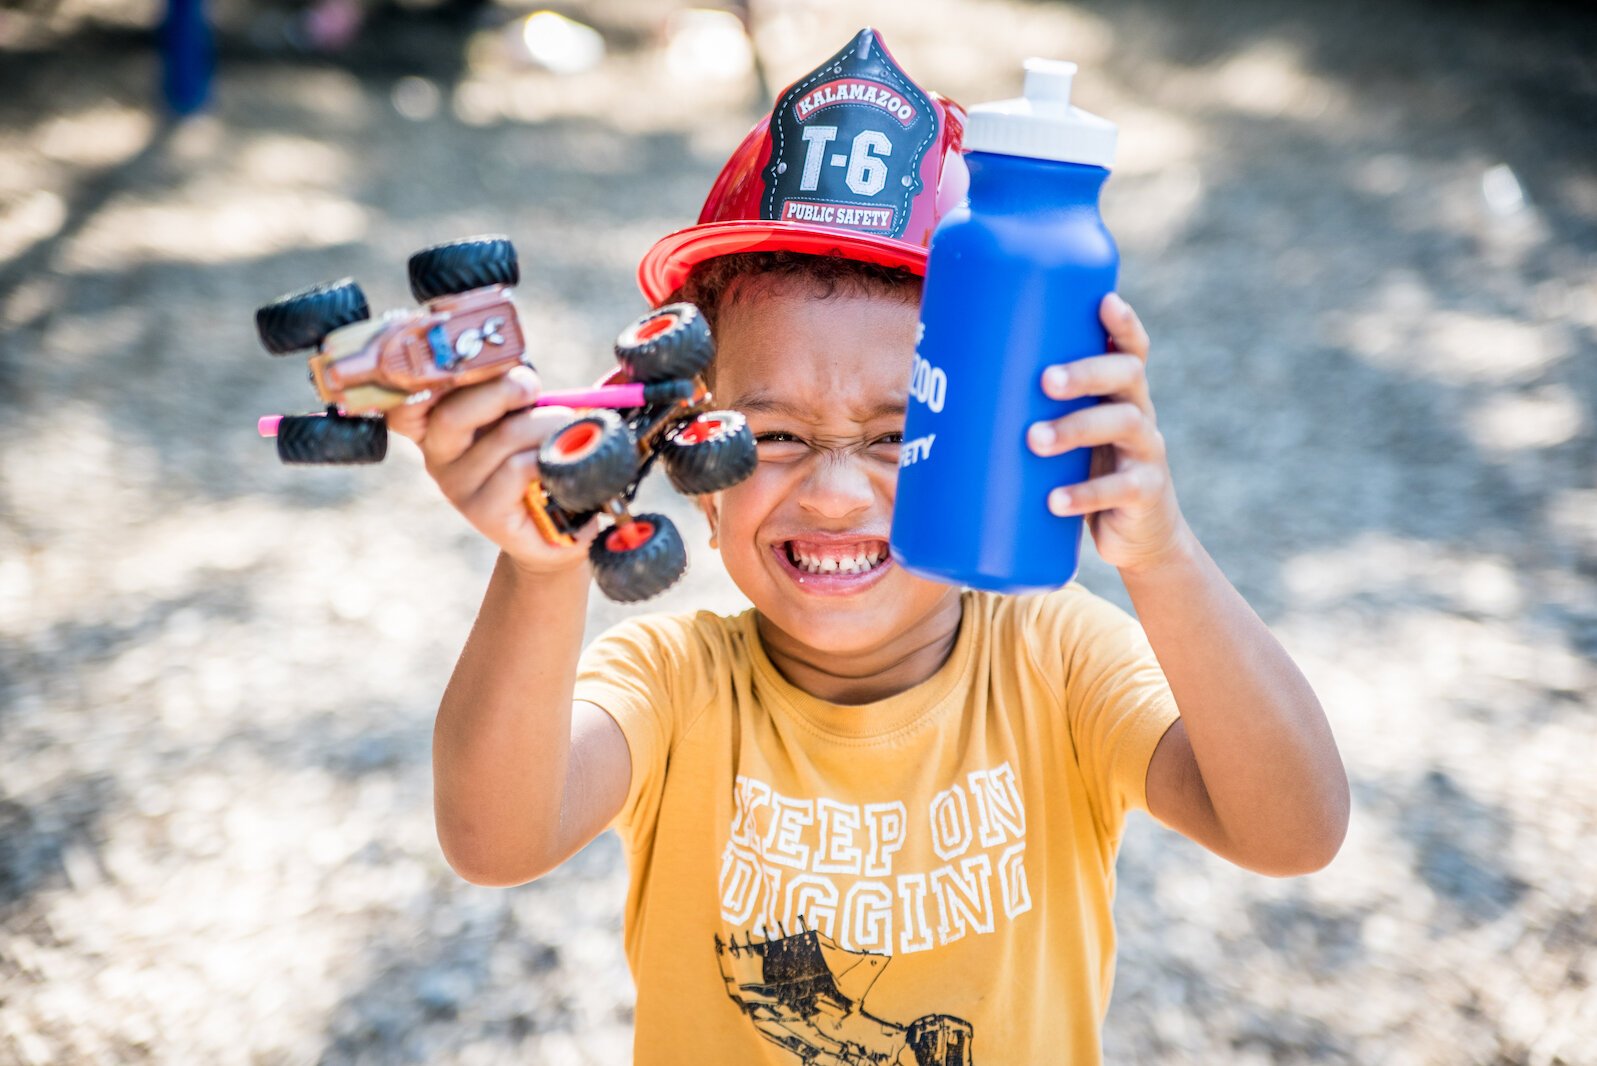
617,396
604,396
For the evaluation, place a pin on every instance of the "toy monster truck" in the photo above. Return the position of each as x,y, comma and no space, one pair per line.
466,331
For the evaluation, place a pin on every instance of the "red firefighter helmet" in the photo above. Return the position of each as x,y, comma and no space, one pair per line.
855,160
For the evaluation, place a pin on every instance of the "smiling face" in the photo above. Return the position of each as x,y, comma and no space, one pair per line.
822,383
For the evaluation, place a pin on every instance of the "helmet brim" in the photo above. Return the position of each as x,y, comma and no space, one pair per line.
667,264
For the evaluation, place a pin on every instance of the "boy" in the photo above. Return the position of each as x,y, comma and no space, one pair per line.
874,819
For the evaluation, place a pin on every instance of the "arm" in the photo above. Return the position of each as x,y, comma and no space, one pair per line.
522,777
1251,770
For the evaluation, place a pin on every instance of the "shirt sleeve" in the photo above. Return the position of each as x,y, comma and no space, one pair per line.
636,671
1116,700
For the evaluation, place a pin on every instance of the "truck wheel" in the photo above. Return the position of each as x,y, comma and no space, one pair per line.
665,345
331,439
460,266
303,319
639,559
589,461
709,453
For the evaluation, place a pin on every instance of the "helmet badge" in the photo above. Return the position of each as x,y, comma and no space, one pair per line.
847,142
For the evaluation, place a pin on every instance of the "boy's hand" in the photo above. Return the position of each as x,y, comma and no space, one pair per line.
480,444
1128,497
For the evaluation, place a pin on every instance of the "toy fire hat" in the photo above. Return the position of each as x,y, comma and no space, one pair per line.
856,161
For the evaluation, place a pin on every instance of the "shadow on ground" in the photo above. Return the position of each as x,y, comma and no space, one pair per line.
1364,238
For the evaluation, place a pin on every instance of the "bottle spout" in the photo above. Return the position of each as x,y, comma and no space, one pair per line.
1041,123
1047,86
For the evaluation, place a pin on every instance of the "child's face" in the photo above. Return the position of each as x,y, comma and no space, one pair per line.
823,384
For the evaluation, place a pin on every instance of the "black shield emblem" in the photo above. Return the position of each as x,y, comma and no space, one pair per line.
847,143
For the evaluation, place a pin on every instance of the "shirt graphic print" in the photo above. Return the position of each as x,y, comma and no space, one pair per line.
816,886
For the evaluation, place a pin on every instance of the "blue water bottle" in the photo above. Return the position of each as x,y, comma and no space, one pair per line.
1013,285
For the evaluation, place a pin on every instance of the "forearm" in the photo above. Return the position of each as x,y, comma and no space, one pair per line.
501,743
1261,742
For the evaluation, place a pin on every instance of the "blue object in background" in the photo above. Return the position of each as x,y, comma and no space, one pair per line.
1013,285
188,56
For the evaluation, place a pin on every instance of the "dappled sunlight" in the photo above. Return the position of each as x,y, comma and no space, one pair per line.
1463,346
234,225
709,45
1364,252
1572,514
335,98
1542,418
59,483
1154,143
31,218
1150,215
1378,566
284,159
1269,79
606,94
98,136
1405,332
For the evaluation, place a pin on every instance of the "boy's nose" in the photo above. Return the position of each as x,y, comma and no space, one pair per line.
838,486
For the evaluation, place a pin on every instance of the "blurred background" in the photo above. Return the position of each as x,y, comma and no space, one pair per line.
1363,236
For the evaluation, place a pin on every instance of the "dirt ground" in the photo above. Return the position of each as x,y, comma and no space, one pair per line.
1364,237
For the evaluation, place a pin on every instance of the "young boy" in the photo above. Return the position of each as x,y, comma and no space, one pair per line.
874,819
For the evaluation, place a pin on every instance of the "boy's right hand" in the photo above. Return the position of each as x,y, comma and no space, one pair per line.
480,444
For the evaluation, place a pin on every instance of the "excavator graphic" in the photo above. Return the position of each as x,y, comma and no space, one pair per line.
806,994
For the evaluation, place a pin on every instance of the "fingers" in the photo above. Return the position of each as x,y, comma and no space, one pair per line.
409,420
1137,487
1118,376
1125,328
453,424
1124,425
517,432
501,498
488,485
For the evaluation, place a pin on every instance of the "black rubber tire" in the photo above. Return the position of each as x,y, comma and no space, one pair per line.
588,461
463,265
667,344
700,460
331,440
632,575
303,319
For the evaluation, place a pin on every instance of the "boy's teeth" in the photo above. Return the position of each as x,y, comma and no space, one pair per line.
863,558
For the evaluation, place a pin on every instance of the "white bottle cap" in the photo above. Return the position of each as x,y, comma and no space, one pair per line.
1042,124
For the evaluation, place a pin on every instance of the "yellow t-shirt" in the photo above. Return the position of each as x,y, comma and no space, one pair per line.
923,879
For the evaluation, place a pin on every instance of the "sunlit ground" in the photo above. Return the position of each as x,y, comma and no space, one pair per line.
1365,242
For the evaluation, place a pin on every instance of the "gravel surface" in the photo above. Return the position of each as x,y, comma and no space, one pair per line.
1364,237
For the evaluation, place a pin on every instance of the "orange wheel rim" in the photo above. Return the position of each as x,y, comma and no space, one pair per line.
700,430
629,536
655,326
576,440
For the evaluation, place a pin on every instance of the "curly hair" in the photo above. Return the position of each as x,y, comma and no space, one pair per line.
725,280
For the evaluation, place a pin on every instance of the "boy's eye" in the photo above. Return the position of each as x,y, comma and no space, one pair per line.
776,446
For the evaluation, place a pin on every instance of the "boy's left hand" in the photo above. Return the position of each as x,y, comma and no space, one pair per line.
1128,499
